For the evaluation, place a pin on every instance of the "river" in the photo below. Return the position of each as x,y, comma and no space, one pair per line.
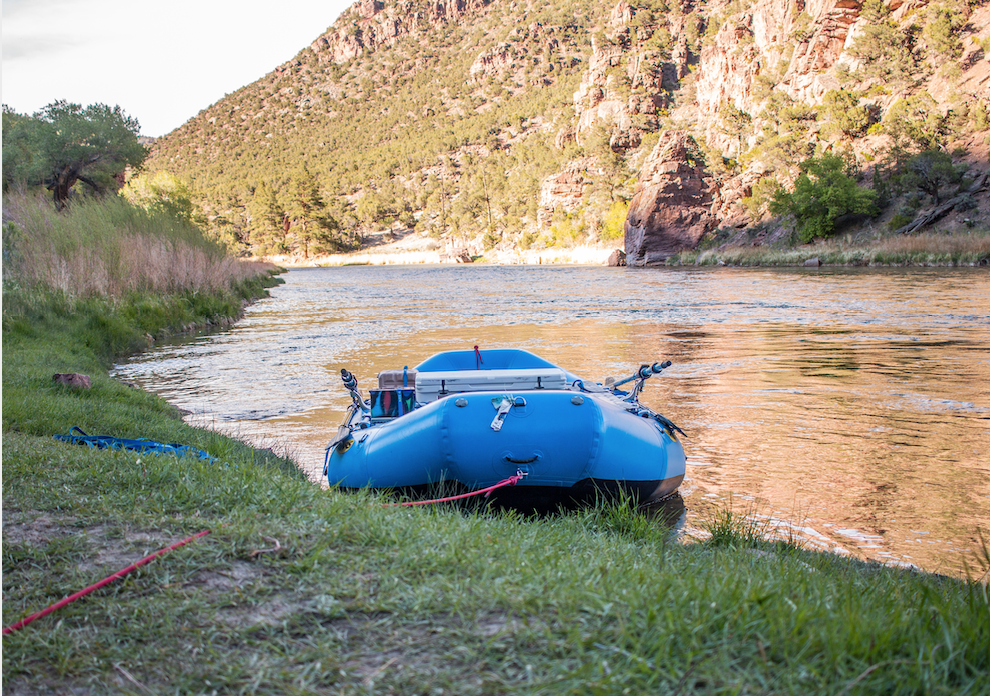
846,408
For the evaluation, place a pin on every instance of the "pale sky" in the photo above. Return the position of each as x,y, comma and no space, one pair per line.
161,61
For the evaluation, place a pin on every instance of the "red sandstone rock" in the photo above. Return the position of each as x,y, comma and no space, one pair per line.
671,208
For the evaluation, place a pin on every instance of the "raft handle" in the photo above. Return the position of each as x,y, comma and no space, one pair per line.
522,461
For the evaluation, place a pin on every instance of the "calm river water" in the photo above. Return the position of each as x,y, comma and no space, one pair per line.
850,408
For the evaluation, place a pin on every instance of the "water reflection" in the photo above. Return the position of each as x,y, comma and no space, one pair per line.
850,407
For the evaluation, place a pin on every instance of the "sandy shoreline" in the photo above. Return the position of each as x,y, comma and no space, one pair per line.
413,249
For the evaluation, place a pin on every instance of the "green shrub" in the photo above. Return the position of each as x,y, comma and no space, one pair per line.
966,202
898,221
874,11
162,191
980,117
567,232
886,50
931,171
716,238
527,240
822,193
916,123
764,191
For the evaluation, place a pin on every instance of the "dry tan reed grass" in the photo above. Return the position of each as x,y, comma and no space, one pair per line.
110,248
930,249
938,244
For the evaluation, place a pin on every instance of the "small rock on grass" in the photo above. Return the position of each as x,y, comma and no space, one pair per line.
72,379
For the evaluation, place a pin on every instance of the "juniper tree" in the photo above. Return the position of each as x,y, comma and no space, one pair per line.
65,143
931,171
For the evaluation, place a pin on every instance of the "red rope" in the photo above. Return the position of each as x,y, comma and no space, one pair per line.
105,581
511,481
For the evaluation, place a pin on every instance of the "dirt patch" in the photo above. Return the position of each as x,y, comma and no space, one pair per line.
239,574
115,548
33,528
112,547
270,613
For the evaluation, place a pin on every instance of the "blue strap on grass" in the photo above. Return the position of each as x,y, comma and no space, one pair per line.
139,445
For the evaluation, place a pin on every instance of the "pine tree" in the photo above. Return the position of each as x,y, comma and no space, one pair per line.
267,220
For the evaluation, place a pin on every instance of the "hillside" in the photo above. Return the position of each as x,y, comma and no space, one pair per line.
495,124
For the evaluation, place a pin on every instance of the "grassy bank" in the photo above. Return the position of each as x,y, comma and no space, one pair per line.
300,590
930,249
80,289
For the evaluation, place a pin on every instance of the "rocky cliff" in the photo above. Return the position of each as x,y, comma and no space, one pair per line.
773,57
370,25
671,209
505,123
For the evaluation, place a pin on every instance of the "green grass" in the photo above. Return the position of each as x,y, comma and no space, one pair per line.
360,598
301,590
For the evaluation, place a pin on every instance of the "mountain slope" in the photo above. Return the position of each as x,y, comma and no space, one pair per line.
498,122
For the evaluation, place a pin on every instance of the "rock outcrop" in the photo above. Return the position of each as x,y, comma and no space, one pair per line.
757,43
494,61
523,48
565,190
624,85
456,255
808,79
372,25
671,208
616,258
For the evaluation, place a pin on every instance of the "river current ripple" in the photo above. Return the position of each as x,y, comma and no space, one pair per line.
849,409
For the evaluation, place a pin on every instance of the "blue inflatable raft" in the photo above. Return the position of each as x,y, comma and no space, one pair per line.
470,419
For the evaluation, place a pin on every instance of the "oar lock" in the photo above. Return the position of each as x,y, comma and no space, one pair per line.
654,369
645,371
350,381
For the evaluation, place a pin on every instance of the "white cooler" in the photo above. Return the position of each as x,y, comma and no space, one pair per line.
431,386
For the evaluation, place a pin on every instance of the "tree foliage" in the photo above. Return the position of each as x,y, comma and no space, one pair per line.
160,191
886,50
614,223
931,171
941,32
915,122
822,193
315,227
65,143
267,220
843,113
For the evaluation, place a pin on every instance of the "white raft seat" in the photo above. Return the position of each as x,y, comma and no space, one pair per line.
431,386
